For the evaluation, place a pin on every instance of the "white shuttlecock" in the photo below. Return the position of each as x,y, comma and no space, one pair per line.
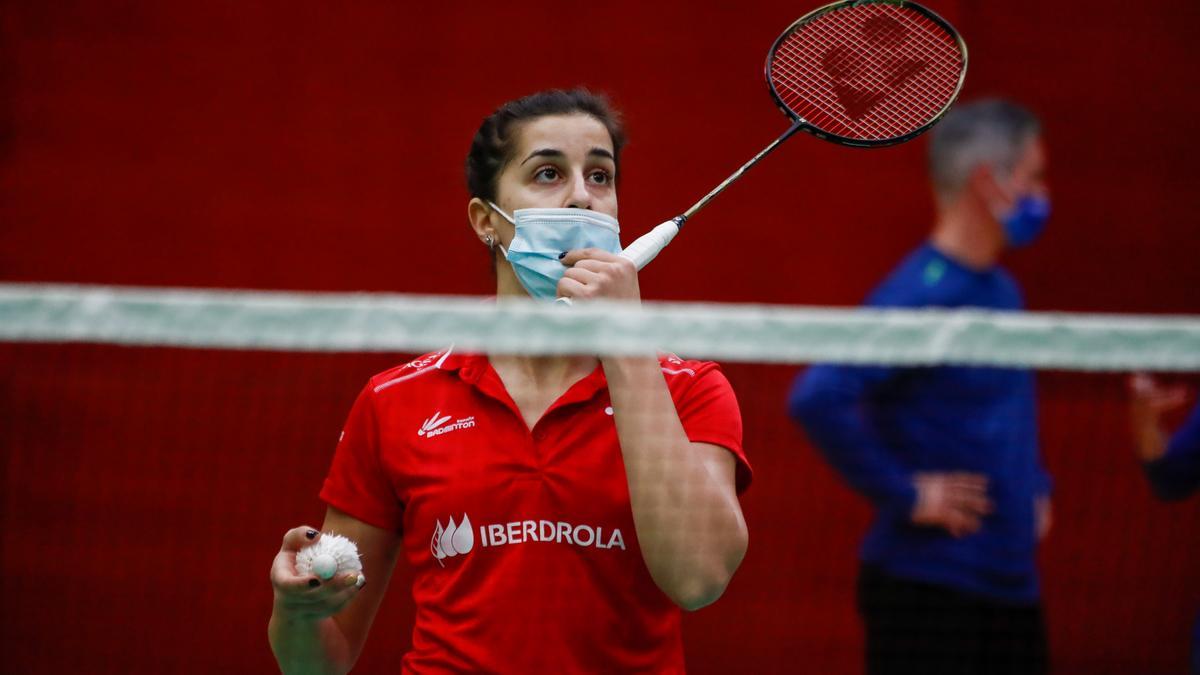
331,555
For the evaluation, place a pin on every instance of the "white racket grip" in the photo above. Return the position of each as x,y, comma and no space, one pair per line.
643,250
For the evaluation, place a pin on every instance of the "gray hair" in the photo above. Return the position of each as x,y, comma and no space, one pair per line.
992,132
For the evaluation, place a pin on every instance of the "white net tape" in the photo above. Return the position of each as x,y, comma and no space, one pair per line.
350,322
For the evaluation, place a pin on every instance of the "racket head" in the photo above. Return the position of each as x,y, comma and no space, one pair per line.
867,73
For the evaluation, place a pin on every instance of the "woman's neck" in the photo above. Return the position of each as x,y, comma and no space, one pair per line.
553,373
535,382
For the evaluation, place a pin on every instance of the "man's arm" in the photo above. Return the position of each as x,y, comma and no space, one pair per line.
828,401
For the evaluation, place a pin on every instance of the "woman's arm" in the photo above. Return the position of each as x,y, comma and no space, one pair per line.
685,507
322,629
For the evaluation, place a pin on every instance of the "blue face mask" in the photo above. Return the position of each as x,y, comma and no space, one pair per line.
542,235
1026,220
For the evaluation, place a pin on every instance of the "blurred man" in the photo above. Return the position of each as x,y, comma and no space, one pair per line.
1172,467
948,456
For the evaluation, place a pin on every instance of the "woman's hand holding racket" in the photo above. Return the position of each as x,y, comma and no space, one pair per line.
595,274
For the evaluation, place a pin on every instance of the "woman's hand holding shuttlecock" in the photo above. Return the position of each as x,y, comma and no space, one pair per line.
315,575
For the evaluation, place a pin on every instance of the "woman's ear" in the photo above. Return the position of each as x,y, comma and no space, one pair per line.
479,214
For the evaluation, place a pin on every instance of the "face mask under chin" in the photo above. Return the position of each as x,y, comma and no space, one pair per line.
543,234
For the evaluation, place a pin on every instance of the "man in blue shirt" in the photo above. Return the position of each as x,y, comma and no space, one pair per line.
949,455
1172,466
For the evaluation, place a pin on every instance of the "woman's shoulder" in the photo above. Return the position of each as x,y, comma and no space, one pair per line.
443,359
676,368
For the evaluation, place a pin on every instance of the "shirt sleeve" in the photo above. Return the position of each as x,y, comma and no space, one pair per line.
1176,474
357,483
1043,485
828,402
709,413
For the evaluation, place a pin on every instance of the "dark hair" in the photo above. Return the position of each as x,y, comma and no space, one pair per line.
991,131
492,147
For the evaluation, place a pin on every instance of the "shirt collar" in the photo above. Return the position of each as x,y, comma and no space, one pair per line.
472,367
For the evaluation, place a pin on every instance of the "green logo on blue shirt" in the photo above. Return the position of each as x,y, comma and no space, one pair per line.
934,271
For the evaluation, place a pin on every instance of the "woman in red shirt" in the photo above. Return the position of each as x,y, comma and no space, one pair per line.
557,511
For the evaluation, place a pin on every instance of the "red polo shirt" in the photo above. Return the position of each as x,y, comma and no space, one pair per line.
522,541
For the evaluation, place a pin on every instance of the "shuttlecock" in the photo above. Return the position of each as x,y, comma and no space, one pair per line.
331,555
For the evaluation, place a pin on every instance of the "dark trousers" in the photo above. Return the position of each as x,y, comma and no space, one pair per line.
914,627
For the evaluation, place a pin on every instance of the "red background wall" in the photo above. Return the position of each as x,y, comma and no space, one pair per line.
319,146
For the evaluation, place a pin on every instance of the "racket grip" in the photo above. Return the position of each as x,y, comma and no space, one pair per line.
643,250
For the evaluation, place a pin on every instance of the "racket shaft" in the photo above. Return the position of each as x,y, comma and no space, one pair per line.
797,126
648,245
643,250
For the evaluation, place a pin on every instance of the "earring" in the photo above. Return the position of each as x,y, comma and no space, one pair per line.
488,240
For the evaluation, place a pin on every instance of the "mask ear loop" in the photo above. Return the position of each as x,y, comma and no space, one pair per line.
507,217
492,245
499,210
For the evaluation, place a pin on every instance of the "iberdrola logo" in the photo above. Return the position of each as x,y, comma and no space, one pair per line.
451,540
455,539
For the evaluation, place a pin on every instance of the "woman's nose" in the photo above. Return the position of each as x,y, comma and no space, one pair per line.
580,198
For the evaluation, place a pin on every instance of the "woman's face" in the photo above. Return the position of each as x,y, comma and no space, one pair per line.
559,161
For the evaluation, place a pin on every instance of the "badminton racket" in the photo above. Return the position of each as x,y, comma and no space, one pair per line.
861,73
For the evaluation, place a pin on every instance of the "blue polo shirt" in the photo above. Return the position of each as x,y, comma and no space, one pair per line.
878,426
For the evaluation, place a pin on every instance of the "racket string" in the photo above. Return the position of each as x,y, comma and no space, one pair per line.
830,101
884,109
942,46
945,53
907,47
882,113
826,99
799,66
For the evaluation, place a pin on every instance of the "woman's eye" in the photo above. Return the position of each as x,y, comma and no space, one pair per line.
600,177
546,174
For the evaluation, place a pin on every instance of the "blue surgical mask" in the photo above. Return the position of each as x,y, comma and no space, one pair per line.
1026,220
542,235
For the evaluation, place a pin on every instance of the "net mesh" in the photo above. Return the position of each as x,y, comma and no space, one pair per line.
157,443
868,72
